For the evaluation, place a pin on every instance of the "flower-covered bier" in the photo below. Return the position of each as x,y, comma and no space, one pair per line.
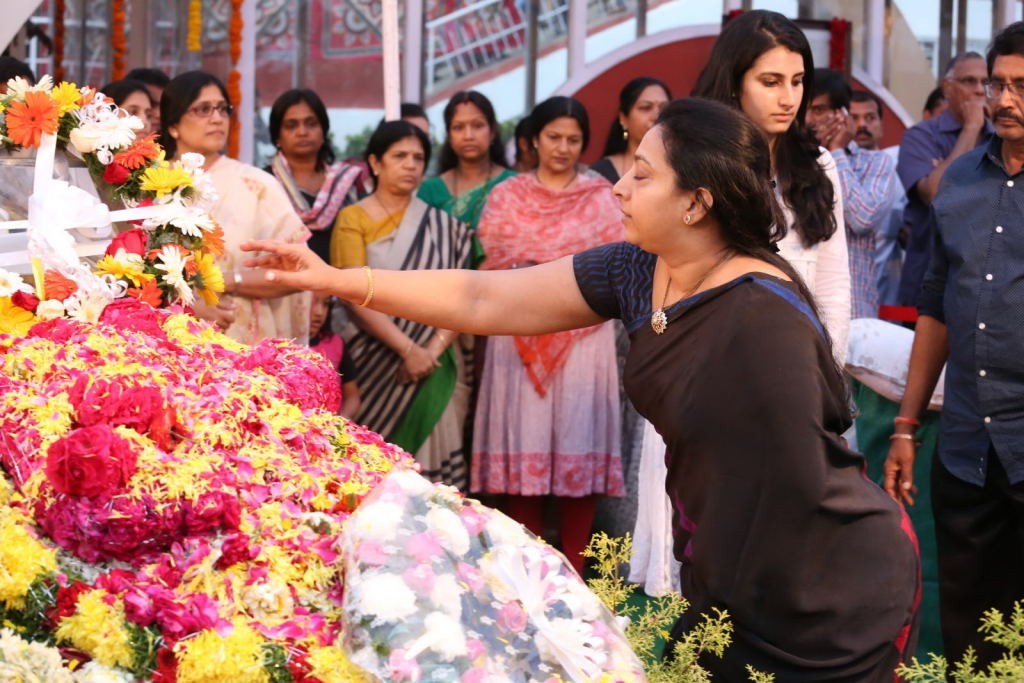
170,259
441,588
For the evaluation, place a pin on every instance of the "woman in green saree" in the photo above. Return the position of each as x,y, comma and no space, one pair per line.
472,159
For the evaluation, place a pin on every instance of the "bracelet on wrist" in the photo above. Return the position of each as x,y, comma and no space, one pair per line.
408,349
911,421
904,437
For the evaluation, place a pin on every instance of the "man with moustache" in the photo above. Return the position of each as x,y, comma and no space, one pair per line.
972,319
927,150
866,116
868,177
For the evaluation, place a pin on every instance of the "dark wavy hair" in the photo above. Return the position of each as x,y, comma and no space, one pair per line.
390,132
556,108
119,91
714,146
495,151
179,95
615,143
805,187
288,99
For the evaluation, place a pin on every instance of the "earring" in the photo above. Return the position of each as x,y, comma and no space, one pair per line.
687,218
625,134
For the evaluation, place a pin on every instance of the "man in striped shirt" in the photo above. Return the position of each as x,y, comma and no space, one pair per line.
870,184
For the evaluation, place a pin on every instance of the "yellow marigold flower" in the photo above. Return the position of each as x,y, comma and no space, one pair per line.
163,180
122,270
15,319
98,629
23,559
331,665
213,278
67,96
212,658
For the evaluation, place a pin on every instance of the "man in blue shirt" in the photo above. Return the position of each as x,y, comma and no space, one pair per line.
972,318
869,182
927,150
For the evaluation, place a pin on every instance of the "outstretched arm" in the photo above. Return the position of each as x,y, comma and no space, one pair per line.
524,301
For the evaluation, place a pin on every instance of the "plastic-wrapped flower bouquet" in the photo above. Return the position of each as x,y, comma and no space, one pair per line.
441,588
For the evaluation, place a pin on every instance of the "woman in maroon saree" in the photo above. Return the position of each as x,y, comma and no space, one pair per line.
775,521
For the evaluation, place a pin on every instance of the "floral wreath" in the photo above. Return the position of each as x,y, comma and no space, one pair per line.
168,258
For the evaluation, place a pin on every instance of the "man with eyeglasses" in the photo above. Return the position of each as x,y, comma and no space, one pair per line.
972,319
927,150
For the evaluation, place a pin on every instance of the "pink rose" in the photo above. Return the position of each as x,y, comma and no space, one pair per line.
423,546
131,314
132,241
420,578
512,617
472,519
59,330
90,461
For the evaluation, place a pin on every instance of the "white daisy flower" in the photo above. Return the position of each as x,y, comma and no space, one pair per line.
11,283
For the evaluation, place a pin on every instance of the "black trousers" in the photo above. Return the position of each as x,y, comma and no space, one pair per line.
979,533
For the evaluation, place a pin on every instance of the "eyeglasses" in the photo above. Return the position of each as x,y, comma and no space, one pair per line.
970,81
205,110
995,89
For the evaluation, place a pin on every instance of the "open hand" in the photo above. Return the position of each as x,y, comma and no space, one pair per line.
292,265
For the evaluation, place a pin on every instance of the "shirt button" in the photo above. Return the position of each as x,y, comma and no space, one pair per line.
981,372
989,276
981,326
999,228
988,419
1009,183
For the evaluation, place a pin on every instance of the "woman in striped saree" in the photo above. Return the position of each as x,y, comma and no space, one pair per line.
412,376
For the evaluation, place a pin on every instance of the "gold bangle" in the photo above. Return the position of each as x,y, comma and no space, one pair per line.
369,286
906,437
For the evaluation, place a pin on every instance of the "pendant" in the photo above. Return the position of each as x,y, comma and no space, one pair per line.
659,321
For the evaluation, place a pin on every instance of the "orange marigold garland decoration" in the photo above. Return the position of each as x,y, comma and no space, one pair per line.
27,120
58,40
195,26
117,38
234,77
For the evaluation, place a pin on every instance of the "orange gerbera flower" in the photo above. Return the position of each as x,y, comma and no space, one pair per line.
57,286
213,241
27,120
154,254
142,151
148,293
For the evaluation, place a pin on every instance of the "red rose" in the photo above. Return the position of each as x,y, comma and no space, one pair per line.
25,300
133,241
67,601
234,550
166,665
116,174
90,461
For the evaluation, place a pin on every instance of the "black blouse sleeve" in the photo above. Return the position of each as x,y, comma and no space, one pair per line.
600,278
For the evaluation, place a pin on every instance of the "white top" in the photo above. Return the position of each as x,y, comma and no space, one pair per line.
825,267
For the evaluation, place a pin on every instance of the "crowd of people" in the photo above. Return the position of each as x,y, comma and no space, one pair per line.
731,237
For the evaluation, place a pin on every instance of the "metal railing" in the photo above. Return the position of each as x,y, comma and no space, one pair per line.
487,32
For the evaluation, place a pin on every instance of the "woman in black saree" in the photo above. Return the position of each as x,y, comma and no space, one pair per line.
774,518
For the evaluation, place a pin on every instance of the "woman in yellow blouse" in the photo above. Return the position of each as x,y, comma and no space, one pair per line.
413,376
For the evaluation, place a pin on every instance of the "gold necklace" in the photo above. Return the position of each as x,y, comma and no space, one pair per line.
659,321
